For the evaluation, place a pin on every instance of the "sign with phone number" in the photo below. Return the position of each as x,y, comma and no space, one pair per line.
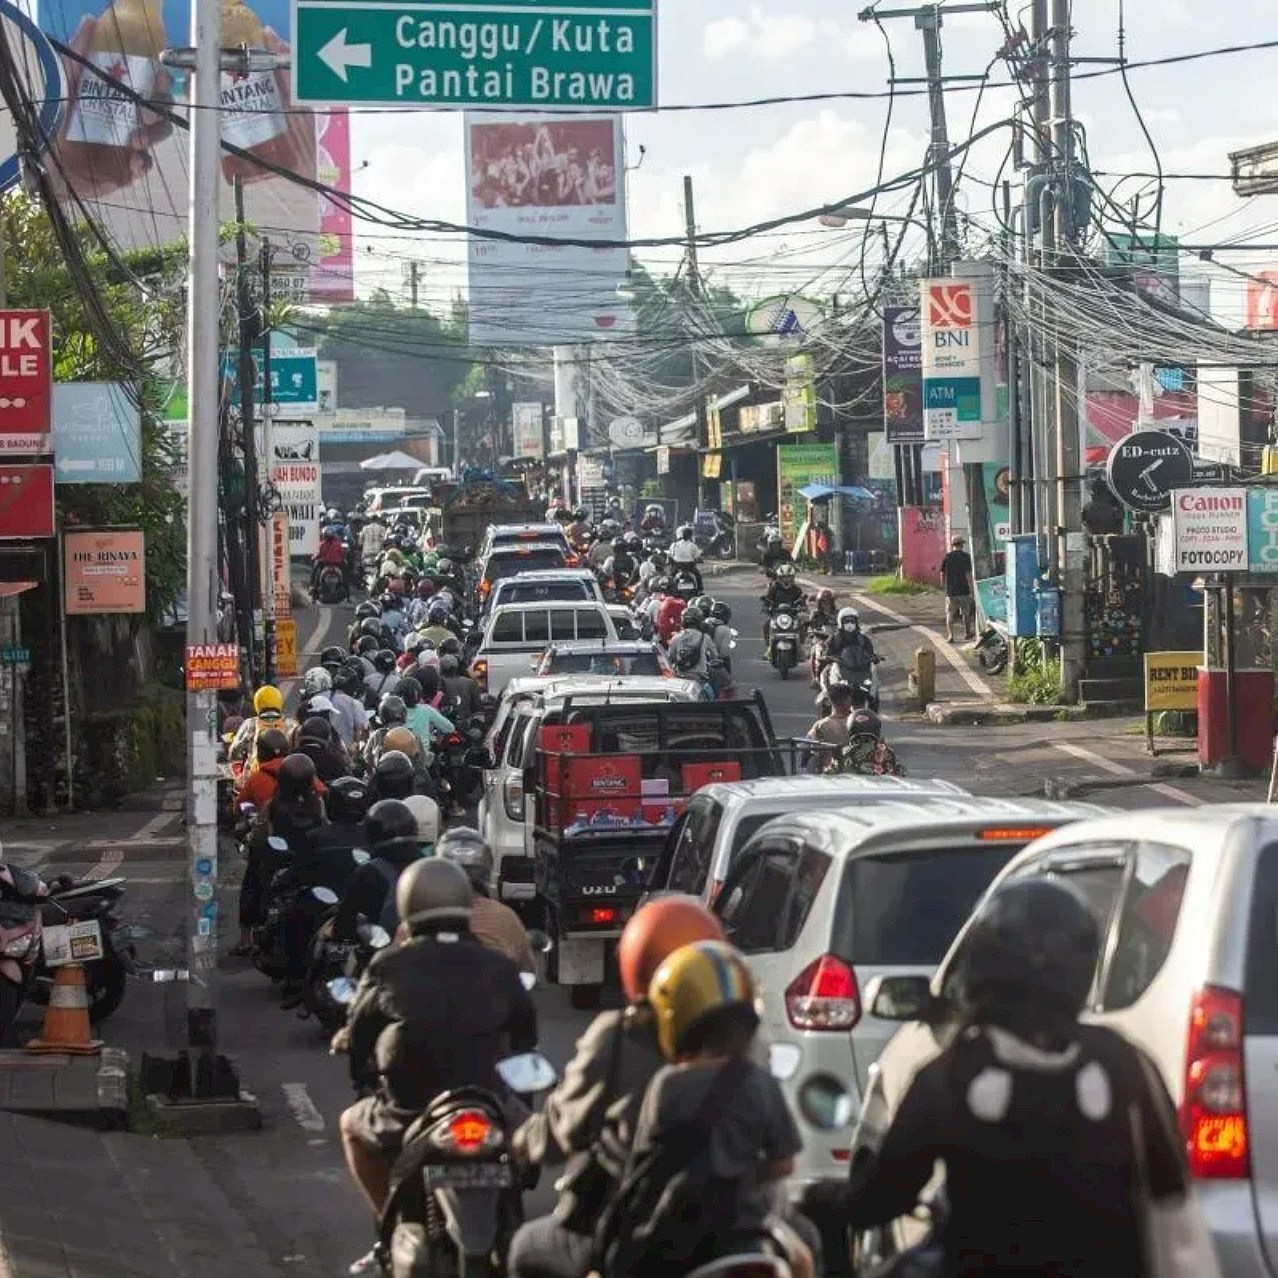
1210,526
212,666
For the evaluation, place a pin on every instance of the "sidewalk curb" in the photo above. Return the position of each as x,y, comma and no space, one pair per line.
969,714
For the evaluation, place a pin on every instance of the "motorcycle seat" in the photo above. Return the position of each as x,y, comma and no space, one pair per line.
457,1097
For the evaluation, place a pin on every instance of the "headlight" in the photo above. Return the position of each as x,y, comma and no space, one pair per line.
784,622
20,946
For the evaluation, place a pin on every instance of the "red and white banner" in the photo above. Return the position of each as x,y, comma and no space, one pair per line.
26,385
26,502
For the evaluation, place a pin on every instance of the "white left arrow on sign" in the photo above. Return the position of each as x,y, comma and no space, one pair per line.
339,56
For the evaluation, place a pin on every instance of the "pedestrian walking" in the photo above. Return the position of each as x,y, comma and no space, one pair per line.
960,590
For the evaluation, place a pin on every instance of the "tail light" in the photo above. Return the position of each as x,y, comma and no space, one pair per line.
479,673
1214,1109
452,741
513,797
469,1131
824,996
485,588
600,916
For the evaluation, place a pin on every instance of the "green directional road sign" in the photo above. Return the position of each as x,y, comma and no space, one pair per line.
294,378
560,55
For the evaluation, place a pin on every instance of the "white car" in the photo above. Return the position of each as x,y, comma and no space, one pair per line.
503,813
516,633
552,585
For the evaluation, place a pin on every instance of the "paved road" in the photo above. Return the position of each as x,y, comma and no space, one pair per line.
288,1183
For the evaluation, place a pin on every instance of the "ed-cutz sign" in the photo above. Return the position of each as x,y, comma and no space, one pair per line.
104,571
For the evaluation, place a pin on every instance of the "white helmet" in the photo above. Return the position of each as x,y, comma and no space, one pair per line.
316,682
849,616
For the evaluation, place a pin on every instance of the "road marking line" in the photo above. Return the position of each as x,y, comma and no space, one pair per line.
156,824
309,1118
108,863
1119,770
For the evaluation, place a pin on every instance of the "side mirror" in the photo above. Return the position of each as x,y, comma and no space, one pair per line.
324,895
276,844
360,857
528,1073
899,998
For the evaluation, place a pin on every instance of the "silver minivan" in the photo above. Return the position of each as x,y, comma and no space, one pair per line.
824,903
1187,901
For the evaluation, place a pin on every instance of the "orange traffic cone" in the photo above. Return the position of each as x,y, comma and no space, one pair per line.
66,1023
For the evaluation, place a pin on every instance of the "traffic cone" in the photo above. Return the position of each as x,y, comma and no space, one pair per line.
66,1023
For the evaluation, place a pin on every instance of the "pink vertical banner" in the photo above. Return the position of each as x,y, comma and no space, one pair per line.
333,279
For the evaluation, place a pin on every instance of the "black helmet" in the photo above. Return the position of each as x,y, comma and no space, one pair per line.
619,545
271,744
368,644
370,628
390,824
367,611
721,612
391,710
433,891
409,691
316,728
693,618
385,660
332,656
296,777
394,773
346,680
347,798
466,847
581,514
451,647
1032,944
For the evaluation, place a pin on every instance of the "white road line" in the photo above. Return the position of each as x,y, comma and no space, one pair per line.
309,1118
1172,792
108,863
156,824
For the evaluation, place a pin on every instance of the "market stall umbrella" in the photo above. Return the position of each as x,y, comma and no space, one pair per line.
392,461
823,492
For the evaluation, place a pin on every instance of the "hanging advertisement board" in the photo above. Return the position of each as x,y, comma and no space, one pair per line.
26,382
526,428
1209,527
902,375
800,398
295,472
26,502
97,434
104,571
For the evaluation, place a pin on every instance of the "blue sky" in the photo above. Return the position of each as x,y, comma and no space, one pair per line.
758,163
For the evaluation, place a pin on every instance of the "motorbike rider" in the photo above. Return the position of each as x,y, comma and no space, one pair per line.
268,712
390,837
426,813
259,789
772,550
459,687
693,653
318,740
436,629
832,729
654,520
825,617
1057,1136
685,554
371,538
850,646
393,618
394,777
391,713
331,554
601,547
385,674
620,568
578,532
420,605
426,723
783,590
346,804
588,1121
667,615
432,1014
656,565
349,716
492,922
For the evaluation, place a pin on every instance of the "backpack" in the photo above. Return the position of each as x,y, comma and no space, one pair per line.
388,919
671,1214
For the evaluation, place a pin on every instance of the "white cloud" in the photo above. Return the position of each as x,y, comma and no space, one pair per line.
758,35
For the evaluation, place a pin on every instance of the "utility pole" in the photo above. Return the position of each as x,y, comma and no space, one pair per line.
203,344
268,412
248,327
705,494
413,269
1069,529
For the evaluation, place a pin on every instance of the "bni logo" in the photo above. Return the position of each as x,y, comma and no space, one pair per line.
949,306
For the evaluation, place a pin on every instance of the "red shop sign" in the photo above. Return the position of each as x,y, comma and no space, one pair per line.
26,502
26,385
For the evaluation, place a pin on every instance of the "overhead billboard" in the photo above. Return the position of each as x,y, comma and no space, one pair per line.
546,178
119,152
528,441
951,355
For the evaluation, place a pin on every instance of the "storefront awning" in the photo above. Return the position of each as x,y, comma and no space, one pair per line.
822,492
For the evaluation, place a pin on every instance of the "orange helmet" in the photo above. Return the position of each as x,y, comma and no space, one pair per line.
654,933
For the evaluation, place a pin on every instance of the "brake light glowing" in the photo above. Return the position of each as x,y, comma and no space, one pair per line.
485,588
1013,833
600,915
824,996
1213,1113
479,673
470,1130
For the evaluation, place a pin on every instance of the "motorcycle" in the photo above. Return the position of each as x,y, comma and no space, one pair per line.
818,637
457,777
22,892
331,586
867,754
686,585
993,650
864,682
105,978
288,904
785,636
714,533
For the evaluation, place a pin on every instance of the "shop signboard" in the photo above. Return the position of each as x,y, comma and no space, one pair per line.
1145,467
799,465
951,359
97,434
26,502
1171,680
663,459
1209,527
104,571
1262,530
757,419
711,465
26,382
286,647
902,375
800,396
295,472
212,666
526,432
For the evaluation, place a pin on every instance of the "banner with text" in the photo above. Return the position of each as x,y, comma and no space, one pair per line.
104,571
799,465
1209,529
902,375
295,472
526,427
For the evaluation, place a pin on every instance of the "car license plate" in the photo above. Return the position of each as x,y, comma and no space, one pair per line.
468,1176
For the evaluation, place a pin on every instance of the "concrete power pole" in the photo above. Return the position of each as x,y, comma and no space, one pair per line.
705,490
1067,414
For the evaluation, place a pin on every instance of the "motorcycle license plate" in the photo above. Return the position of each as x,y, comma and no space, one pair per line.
468,1176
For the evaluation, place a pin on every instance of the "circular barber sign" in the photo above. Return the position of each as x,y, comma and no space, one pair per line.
38,72
1146,467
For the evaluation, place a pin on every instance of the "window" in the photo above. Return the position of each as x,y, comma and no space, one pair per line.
591,625
561,624
536,627
1147,923
1260,1007
508,627
905,908
691,865
628,628
805,886
518,735
750,915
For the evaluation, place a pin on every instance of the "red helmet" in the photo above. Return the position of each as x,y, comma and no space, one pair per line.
395,585
654,933
425,588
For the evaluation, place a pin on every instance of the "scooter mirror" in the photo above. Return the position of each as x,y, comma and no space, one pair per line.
324,895
378,937
540,941
528,1073
276,844
528,980
342,990
360,857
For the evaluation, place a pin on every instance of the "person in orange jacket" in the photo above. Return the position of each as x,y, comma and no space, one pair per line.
259,789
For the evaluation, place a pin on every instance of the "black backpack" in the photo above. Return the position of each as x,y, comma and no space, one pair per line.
671,1214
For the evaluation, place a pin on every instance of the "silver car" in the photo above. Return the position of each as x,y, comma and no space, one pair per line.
823,904
1188,905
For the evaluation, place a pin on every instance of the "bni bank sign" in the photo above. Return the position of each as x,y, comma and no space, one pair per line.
951,359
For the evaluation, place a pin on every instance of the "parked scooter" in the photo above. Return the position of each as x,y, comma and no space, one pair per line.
993,650
22,893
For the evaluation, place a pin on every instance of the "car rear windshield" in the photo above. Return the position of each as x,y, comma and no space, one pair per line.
905,908
537,534
541,591
511,565
600,663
